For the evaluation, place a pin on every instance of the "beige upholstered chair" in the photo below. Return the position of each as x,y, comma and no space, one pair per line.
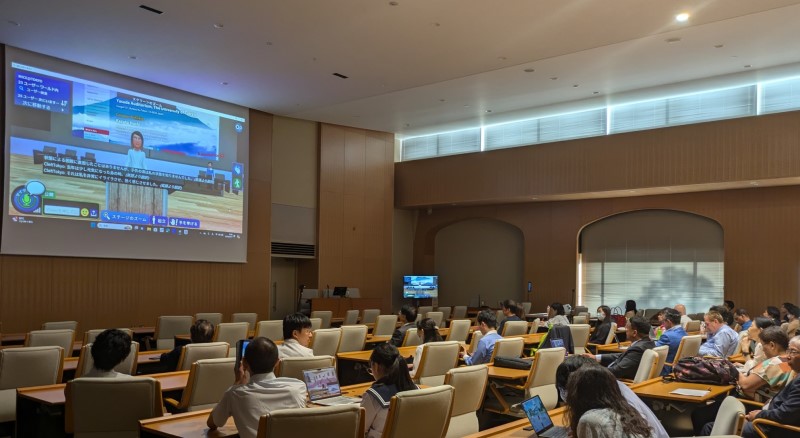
500,316
27,366
353,338
469,384
535,326
738,349
446,311
127,366
110,407
369,316
541,381
692,326
580,319
437,317
191,353
411,338
208,380
578,310
385,325
647,366
513,328
343,421
316,323
580,336
508,347
325,316
473,343
459,330
61,325
758,423
248,317
213,318
730,418
351,317
231,332
612,331
689,346
272,329
90,335
63,338
169,326
294,366
325,342
662,358
412,412
423,310
526,307
459,312
436,360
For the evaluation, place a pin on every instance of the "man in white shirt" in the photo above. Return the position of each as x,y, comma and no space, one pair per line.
256,390
682,310
721,340
296,336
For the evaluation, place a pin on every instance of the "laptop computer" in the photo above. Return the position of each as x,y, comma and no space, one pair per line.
323,387
540,420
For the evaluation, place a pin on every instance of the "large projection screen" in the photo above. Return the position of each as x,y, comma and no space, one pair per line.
102,165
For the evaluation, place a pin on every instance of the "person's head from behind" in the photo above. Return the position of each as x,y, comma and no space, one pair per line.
510,307
408,313
681,309
260,356
630,306
740,315
729,305
427,331
566,368
388,367
774,341
596,388
637,328
110,348
555,309
772,312
714,321
487,321
672,318
604,314
137,140
727,315
202,331
297,326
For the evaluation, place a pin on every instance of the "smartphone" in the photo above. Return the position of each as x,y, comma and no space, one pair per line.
241,344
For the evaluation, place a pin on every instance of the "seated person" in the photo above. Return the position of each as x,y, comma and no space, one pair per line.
721,340
630,309
391,376
487,324
512,311
201,332
109,349
774,313
575,362
751,343
556,315
684,318
742,318
296,336
604,321
256,391
764,380
427,332
672,336
793,317
624,365
407,316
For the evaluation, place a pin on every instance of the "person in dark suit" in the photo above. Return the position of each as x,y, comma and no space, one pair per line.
202,331
624,365
407,316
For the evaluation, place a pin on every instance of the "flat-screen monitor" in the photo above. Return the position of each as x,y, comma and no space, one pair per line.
103,165
420,286
339,291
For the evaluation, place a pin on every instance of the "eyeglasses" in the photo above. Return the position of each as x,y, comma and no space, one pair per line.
792,352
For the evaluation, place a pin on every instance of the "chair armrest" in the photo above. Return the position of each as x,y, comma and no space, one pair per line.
763,421
750,402
171,403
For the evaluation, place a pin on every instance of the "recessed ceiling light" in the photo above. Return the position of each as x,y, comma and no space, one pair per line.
672,40
442,100
394,3
554,78
132,57
223,83
719,46
488,111
529,70
466,106
576,85
269,43
502,58
408,124
13,23
747,66
595,92
682,17
218,26
437,24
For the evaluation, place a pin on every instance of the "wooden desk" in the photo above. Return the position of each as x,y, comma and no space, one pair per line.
507,373
515,428
146,361
363,356
372,340
613,348
659,389
12,339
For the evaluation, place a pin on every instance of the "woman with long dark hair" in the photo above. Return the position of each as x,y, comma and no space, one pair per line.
427,332
604,321
597,409
630,309
391,376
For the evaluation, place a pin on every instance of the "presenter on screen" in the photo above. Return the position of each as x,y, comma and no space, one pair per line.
136,154
210,171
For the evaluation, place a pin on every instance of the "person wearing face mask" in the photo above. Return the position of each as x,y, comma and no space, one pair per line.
603,326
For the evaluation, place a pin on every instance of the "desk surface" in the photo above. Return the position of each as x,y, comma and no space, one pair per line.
659,389
507,373
363,356
145,357
514,429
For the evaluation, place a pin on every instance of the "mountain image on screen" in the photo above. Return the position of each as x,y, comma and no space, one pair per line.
420,286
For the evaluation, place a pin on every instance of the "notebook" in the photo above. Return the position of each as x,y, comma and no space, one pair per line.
540,419
323,387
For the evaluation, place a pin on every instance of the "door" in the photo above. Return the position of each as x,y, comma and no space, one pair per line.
283,288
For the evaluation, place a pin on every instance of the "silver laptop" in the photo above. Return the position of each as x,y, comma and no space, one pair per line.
540,420
323,387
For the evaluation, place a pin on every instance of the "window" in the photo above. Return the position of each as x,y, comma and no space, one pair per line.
507,135
576,125
780,96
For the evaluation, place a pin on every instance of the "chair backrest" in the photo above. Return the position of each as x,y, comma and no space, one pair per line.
231,332
208,381
473,343
508,347
110,407
580,319
541,379
169,326
91,335
190,353
577,310
423,310
61,325
30,366
446,311
459,330
369,316
294,366
272,329
437,317
436,360
580,336
785,327
127,366
63,338
535,326
248,317
213,318
325,342
692,326
526,307
612,332
325,316
500,316
738,348
469,385
411,412
353,338
730,418
459,312
316,323
662,359
411,338
689,346
513,328
385,325
343,421
647,366
351,317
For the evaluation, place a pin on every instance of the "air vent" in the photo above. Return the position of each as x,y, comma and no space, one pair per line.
293,250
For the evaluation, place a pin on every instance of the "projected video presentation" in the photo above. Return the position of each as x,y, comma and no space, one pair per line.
420,286
101,165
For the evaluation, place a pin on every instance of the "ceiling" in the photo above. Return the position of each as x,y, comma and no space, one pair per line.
416,67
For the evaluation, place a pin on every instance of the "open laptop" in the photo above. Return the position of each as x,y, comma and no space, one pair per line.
540,420
323,387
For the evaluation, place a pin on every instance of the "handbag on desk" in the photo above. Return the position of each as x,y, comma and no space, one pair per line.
618,317
512,362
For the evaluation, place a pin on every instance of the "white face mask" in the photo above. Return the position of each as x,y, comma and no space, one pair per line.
601,315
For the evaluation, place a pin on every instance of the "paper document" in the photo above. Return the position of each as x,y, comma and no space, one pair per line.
690,392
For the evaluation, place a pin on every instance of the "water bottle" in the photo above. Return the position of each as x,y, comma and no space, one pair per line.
703,328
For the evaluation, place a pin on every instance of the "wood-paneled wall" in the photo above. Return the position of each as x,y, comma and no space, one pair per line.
356,200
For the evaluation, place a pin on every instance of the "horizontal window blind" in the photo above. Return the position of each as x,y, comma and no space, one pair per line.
638,116
575,125
780,96
712,105
520,133
459,142
419,147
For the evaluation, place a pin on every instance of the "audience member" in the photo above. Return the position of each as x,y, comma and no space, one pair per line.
721,340
751,343
742,318
727,315
784,312
597,409
296,336
427,332
391,376
684,318
774,313
729,305
487,324
792,317
624,365
556,315
630,309
407,316
604,321
512,311
767,378
251,397
672,336
201,332
109,349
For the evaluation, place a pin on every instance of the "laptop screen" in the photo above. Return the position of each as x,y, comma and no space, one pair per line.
537,414
322,383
